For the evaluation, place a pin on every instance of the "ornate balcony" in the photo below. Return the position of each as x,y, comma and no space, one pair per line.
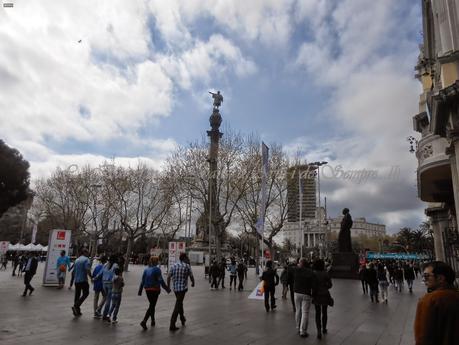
434,169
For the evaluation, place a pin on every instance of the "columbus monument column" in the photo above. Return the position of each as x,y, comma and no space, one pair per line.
213,205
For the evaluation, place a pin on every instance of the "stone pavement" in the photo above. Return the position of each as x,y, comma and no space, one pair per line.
213,317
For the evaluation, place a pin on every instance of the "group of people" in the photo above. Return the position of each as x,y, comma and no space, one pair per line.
309,283
237,271
108,283
376,277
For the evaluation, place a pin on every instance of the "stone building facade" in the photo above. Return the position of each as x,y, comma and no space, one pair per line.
438,123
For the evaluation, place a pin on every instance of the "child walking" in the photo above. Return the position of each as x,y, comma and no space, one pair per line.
118,283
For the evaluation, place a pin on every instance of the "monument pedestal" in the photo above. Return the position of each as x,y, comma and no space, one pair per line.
345,265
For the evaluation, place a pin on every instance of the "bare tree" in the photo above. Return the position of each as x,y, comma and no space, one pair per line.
276,202
190,165
141,201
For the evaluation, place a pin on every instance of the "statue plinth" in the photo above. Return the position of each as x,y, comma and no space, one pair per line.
345,265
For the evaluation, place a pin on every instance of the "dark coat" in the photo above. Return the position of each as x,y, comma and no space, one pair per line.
320,293
305,281
270,278
33,266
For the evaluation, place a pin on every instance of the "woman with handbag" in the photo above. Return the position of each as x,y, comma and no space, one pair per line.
321,297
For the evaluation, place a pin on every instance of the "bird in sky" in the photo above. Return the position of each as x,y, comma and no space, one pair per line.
79,41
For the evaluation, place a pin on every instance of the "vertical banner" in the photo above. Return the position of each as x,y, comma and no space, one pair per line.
175,249
172,253
58,240
34,233
264,183
4,246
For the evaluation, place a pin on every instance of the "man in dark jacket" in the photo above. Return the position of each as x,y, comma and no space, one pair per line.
304,284
270,280
371,278
214,273
29,271
222,267
437,313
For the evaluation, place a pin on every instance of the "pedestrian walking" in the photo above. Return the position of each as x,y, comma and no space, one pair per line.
232,268
15,263
408,272
372,280
283,280
290,282
4,260
22,262
30,269
222,268
117,293
362,277
241,273
398,277
304,281
152,281
98,287
321,297
62,264
108,273
180,272
270,280
214,275
383,281
82,269
437,313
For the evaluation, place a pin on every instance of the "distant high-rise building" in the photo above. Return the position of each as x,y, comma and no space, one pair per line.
307,182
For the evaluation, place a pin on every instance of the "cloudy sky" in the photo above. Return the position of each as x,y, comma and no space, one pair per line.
84,81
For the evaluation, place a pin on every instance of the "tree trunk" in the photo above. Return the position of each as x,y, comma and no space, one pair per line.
128,253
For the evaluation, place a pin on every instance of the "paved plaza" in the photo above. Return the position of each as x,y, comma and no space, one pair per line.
213,317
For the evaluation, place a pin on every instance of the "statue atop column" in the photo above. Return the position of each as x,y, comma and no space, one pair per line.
218,99
344,237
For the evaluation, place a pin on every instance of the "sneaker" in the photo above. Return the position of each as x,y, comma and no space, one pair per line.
75,311
114,321
153,323
183,321
304,335
97,316
173,328
30,293
106,318
144,325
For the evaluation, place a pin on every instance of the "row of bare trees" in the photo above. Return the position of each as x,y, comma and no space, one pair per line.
111,201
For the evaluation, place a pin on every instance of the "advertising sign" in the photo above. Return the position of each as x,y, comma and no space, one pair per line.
394,256
58,240
258,292
4,246
175,249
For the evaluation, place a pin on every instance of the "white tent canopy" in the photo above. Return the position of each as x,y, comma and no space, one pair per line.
27,248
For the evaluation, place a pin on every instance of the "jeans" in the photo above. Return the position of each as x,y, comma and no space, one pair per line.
98,306
81,292
321,322
152,299
383,285
302,303
116,301
233,280
269,292
178,308
108,297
